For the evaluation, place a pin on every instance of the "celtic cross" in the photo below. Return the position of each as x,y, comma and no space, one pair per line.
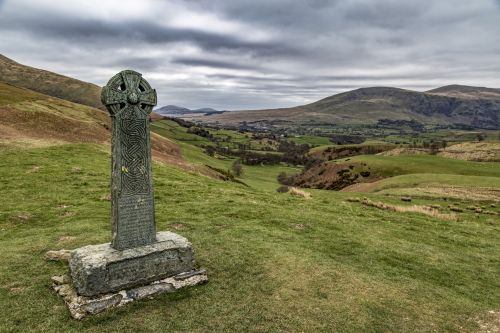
130,99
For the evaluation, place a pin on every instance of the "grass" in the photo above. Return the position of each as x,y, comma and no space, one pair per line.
172,130
348,268
311,140
389,166
262,177
430,179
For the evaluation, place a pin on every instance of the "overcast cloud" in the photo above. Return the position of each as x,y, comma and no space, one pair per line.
259,53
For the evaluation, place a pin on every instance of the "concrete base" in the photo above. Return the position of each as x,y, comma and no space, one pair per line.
81,306
100,269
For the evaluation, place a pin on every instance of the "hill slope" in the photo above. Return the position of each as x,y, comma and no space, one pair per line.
467,92
294,265
50,83
369,105
28,118
179,110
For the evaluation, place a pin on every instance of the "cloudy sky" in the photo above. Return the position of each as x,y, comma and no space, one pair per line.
250,54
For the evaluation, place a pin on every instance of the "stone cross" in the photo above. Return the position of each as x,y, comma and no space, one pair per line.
138,259
130,99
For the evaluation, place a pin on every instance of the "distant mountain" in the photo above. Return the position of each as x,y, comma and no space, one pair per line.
171,109
178,110
459,91
49,83
205,110
451,105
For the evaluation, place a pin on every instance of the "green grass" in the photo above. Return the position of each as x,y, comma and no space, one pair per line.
311,140
349,269
429,179
172,130
389,166
256,176
259,177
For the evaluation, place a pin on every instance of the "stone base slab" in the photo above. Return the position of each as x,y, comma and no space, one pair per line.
101,269
81,306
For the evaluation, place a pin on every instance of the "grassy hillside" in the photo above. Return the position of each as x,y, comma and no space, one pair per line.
389,166
277,263
50,83
256,176
28,118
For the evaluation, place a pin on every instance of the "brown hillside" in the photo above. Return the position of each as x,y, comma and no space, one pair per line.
30,118
331,176
473,151
49,83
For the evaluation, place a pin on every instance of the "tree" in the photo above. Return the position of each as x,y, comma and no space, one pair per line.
237,168
480,137
434,148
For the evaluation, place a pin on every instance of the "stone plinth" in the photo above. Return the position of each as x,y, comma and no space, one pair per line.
101,269
82,306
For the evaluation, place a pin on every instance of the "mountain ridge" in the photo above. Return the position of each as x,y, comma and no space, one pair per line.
50,83
442,106
179,110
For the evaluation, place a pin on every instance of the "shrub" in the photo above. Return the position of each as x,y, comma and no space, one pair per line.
282,189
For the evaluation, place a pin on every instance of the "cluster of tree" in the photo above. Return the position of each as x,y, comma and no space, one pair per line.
293,154
200,132
181,122
398,124
343,139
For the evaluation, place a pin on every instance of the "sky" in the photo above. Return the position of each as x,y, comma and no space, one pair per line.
255,54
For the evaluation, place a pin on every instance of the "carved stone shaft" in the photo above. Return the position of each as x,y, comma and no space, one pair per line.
129,100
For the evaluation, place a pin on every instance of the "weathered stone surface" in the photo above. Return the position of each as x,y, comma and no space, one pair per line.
81,306
130,99
100,269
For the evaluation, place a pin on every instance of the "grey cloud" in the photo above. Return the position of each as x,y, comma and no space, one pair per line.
311,49
95,31
210,63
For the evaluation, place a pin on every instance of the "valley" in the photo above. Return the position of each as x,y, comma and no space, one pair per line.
383,226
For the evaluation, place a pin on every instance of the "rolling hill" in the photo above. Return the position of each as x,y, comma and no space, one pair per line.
50,83
32,119
451,105
179,110
467,92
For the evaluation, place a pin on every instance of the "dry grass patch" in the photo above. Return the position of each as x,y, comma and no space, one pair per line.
298,226
426,210
178,226
63,239
105,197
24,216
489,323
299,193
473,151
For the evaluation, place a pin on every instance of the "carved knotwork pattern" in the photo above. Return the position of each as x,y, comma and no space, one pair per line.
130,99
128,88
134,176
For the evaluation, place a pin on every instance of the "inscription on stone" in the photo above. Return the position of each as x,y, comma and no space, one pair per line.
143,269
135,221
129,100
